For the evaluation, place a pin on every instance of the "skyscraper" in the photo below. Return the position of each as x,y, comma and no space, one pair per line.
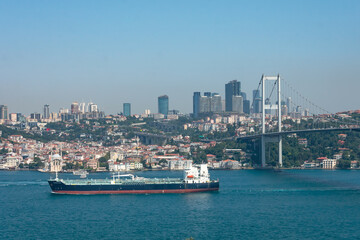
237,104
257,101
82,107
3,112
36,116
74,107
246,106
196,103
163,104
92,107
205,104
46,111
288,104
216,105
243,94
127,109
233,88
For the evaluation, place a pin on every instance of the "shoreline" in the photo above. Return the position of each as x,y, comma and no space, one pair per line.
147,170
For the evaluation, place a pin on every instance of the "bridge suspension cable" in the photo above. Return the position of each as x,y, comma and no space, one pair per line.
313,108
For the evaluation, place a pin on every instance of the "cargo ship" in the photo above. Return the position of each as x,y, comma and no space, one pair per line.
196,179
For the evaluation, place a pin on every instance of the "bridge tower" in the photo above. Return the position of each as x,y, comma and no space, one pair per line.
268,106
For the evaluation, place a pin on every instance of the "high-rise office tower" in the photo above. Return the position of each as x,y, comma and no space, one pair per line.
46,112
163,104
243,94
36,116
256,94
257,101
246,106
74,108
216,105
205,104
127,109
3,112
288,104
233,88
207,94
196,103
237,104
92,107
82,107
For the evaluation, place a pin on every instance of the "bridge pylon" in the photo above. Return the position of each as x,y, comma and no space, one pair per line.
268,106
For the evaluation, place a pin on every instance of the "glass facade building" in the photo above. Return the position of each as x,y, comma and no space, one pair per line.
127,109
196,103
46,111
233,88
163,104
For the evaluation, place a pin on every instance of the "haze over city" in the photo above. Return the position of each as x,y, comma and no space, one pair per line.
134,51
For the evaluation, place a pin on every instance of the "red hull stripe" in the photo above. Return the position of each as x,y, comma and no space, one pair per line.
139,191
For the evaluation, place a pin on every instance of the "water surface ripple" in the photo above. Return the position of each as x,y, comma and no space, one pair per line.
292,204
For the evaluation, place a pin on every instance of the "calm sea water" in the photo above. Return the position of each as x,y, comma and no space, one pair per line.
292,204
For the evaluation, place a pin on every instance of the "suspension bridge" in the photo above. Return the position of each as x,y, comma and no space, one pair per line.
272,111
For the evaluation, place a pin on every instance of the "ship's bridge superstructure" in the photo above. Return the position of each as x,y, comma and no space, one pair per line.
197,174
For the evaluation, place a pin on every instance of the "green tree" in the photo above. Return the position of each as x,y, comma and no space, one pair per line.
103,162
343,164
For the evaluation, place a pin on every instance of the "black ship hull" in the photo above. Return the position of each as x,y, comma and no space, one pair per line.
61,188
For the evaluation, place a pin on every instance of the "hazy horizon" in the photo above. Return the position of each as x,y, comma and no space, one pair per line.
134,51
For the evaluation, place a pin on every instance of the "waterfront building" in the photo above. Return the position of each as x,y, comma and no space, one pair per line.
163,105
3,112
179,164
329,163
233,88
46,112
127,109
196,103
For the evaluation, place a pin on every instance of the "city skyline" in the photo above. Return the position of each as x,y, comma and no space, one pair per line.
135,51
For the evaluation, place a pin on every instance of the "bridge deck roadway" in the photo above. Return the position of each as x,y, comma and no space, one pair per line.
273,134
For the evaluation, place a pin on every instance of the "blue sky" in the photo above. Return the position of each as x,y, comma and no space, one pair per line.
110,52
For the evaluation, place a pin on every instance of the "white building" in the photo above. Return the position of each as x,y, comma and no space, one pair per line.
329,163
56,163
179,164
12,161
237,104
118,167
